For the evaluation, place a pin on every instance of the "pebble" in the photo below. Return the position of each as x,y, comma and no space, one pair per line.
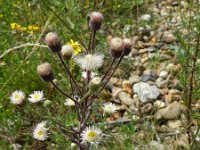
146,92
125,98
159,104
172,111
163,74
174,124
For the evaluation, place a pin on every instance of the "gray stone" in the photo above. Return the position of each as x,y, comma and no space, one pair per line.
146,92
148,77
125,98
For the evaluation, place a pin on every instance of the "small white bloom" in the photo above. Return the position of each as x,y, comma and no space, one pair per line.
69,102
197,139
89,62
36,96
41,132
17,97
91,135
92,74
16,146
145,17
109,108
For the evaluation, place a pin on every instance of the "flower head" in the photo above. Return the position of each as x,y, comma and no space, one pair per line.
94,83
75,46
89,62
95,21
116,47
66,51
53,42
91,135
69,102
41,131
127,46
109,108
17,97
44,71
36,96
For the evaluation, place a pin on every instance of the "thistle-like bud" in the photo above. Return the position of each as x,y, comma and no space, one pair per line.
94,84
44,71
53,42
116,47
95,21
66,51
127,46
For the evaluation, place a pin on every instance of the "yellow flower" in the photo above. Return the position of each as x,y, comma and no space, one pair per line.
75,46
14,26
35,28
1,15
24,28
30,27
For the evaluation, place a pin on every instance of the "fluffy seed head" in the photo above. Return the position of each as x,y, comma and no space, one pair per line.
116,47
66,51
94,83
89,62
17,97
127,46
96,19
44,71
91,135
53,41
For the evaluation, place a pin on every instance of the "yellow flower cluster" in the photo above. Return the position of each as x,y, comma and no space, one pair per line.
29,29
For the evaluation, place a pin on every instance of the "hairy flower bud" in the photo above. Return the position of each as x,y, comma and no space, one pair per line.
116,47
66,51
95,21
44,71
127,46
94,84
53,42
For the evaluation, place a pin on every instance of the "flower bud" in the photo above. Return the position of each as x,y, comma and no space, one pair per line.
127,46
116,47
94,84
47,103
95,21
44,71
53,42
66,51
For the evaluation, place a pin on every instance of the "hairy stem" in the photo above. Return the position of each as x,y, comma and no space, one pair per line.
69,73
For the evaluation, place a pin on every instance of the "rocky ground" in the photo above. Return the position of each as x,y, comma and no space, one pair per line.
152,93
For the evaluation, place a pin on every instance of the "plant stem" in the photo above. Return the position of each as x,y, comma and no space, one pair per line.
109,68
69,73
66,95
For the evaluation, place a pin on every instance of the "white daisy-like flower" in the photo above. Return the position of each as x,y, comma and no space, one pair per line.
17,97
92,74
91,135
90,61
36,96
41,132
109,108
69,102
